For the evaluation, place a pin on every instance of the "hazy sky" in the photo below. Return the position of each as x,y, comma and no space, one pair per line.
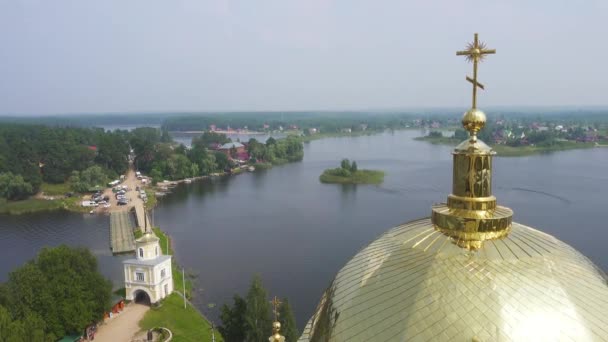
110,56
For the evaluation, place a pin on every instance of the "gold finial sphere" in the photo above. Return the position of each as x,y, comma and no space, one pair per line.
473,121
276,325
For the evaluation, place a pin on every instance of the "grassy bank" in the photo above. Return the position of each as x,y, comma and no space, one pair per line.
178,284
358,177
185,324
519,151
262,166
33,205
151,194
55,189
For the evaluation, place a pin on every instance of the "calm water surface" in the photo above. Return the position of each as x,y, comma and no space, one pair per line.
297,233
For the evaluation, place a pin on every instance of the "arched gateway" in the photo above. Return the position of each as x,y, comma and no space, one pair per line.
141,297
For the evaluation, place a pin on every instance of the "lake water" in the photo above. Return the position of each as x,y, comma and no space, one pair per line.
297,233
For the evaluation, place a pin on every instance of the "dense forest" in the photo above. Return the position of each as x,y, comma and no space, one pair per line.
89,157
32,154
58,293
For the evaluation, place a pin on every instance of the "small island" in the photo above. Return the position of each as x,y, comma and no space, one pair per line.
348,173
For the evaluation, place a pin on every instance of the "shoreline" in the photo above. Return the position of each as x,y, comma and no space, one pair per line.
37,205
519,151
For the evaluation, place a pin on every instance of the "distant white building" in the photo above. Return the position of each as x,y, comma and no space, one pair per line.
148,276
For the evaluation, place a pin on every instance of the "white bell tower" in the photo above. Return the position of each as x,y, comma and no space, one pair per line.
148,276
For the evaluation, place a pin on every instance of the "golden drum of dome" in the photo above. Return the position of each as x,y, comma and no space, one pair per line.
415,284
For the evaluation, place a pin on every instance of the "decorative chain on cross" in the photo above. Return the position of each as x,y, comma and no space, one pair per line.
475,53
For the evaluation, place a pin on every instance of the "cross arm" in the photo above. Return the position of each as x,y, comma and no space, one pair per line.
475,83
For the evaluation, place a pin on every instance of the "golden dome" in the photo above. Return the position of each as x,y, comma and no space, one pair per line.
148,237
415,284
467,273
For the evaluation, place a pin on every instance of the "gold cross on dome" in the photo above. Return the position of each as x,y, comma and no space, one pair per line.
275,306
475,53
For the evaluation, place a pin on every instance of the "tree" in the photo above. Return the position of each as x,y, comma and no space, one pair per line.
270,141
86,179
345,164
61,290
233,320
288,322
353,167
143,141
221,160
14,187
257,314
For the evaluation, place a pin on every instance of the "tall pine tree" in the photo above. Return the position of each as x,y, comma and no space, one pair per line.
257,315
288,322
233,320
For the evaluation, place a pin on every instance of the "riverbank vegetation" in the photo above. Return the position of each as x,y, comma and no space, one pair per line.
167,248
203,158
59,292
250,318
348,173
33,205
515,146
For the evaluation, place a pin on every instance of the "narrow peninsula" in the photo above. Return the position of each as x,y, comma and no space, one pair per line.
348,173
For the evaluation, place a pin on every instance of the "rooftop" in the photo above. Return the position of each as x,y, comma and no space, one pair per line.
150,262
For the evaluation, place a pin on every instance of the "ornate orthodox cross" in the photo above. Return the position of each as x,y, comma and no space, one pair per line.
275,306
475,53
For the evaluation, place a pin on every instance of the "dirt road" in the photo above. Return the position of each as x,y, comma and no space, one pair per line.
131,182
124,326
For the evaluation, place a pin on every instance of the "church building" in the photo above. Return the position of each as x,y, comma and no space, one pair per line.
148,277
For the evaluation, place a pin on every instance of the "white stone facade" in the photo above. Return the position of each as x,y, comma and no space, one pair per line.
150,272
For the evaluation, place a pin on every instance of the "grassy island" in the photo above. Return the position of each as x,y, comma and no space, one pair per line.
348,173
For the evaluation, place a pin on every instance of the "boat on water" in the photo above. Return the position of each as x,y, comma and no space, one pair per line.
187,180
251,169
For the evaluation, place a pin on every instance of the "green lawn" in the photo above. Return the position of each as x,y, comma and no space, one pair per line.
359,177
55,189
185,324
28,206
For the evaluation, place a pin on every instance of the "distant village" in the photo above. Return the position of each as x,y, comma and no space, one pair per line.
500,131
523,133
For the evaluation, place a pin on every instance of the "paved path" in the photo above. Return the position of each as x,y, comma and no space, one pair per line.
124,326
